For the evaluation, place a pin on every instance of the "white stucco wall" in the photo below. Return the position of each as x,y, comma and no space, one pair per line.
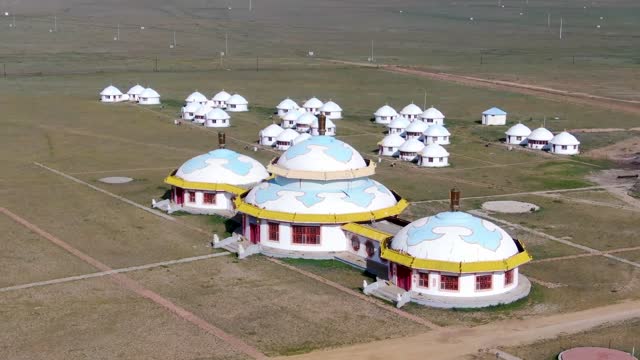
437,162
516,140
570,150
149,101
440,140
537,146
223,201
494,119
333,115
384,119
388,150
236,108
332,237
267,140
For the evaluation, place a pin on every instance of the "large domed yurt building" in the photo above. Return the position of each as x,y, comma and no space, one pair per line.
385,115
517,134
564,144
319,185
208,183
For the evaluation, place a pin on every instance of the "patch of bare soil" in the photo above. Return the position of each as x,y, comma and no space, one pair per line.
627,151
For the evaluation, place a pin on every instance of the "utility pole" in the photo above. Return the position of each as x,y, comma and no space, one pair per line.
174,39
55,23
372,58
155,66
4,70
250,5
425,100
548,20
226,44
257,64
560,28
118,33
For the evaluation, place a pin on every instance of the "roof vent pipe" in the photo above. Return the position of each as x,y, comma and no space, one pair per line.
454,199
322,124
221,140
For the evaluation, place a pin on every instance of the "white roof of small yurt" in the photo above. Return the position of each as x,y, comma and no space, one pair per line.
412,145
434,150
306,118
564,138
432,113
223,166
149,93
202,110
272,130
217,114
392,140
540,134
287,104
196,96
221,96
416,127
293,115
518,130
400,122
313,103
386,110
237,99
330,106
136,89
111,91
287,135
437,130
302,137
191,107
411,109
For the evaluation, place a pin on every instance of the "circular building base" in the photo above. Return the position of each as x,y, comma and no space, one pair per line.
594,353
510,207
116,180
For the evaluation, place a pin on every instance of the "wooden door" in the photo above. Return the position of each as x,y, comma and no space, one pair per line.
179,197
403,276
254,233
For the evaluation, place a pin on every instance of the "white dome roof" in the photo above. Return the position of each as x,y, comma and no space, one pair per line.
412,145
313,103
237,99
417,127
191,107
306,118
221,96
326,197
223,166
111,91
540,134
149,93
330,106
287,104
518,130
136,90
217,114
272,130
455,237
437,130
411,109
386,111
399,123
432,113
302,137
392,140
329,124
196,97
287,135
321,153
435,151
293,115
202,110
564,138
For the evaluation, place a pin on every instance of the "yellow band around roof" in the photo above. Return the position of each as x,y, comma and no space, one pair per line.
181,183
370,233
276,169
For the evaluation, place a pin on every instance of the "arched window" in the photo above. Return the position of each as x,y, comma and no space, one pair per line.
355,243
370,249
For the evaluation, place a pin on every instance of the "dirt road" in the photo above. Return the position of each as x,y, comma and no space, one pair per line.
454,343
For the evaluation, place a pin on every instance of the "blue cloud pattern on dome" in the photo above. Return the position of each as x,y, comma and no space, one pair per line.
480,235
335,149
233,163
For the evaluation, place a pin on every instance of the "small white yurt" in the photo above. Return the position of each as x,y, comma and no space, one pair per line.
285,139
302,137
200,115
517,134
134,92
494,116
304,121
220,99
331,110
217,117
330,128
432,116
287,105
415,130
189,111
110,94
564,144
411,111
437,134
149,97
398,125
410,149
269,134
196,97
313,105
289,120
390,145
539,139
434,155
237,103
385,115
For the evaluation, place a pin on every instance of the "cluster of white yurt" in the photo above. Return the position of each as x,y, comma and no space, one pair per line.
542,139
331,110
296,125
210,112
137,93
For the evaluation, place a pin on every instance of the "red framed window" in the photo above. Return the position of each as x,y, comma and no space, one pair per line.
483,282
209,198
448,282
355,243
274,231
192,196
306,235
423,279
508,277
370,248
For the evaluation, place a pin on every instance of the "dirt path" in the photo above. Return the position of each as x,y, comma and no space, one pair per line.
454,343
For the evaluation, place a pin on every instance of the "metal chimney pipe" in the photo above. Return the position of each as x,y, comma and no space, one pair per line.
322,124
221,140
454,199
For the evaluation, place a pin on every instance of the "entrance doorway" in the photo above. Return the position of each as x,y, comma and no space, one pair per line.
179,196
403,277
254,233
